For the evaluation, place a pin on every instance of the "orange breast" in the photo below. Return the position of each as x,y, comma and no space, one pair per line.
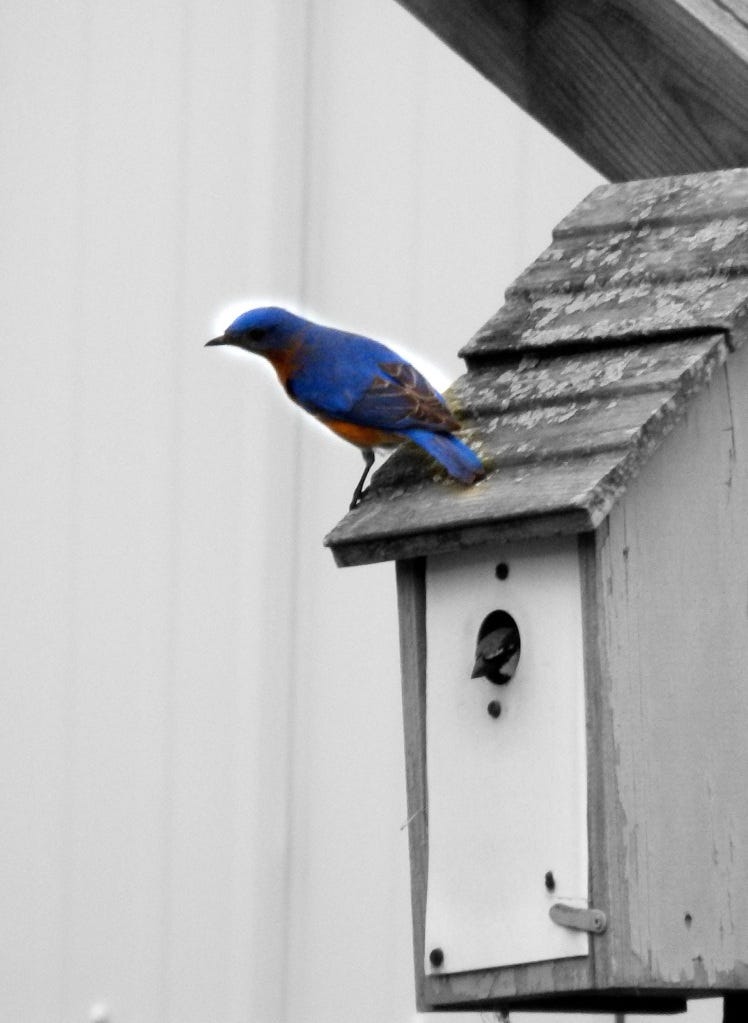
285,360
361,436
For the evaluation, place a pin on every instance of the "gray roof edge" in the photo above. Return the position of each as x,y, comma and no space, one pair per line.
564,522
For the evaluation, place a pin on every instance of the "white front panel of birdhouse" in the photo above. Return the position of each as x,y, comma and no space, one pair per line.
507,794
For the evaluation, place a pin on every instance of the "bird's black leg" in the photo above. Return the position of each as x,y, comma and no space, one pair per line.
368,454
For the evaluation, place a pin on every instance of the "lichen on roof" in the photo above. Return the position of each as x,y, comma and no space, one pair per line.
580,375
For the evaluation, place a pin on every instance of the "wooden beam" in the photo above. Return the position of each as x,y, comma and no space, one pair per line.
637,89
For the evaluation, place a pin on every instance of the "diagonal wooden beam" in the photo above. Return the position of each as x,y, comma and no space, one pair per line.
638,88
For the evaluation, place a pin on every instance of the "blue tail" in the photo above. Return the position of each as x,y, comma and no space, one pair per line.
456,457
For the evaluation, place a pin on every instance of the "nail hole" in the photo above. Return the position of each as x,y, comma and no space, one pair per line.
550,880
494,708
688,919
436,957
502,570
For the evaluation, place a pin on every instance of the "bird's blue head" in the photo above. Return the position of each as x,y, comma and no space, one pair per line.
260,330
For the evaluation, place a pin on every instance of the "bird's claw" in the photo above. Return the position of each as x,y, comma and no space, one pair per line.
358,496
359,492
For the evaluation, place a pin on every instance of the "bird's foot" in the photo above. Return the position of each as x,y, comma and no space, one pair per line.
359,492
358,496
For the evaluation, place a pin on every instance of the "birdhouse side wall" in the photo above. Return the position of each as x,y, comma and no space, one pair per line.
667,667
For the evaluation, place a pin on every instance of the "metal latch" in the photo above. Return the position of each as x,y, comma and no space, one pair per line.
592,920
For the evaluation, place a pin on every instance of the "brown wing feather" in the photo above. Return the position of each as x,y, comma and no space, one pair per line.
401,399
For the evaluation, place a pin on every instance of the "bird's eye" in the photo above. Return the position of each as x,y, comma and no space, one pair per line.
257,333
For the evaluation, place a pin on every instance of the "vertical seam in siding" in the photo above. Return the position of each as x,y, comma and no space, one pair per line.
304,82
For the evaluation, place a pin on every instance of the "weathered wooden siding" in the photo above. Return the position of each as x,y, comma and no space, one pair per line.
671,703
145,821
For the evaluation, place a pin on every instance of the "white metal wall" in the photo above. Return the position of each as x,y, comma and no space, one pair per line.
200,737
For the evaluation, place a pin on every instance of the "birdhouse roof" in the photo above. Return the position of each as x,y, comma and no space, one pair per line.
575,381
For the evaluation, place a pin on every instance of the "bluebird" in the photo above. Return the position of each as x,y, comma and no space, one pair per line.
498,648
363,391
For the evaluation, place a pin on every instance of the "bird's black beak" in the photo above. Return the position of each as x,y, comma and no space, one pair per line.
479,668
217,341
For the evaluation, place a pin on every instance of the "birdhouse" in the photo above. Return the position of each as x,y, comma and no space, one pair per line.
574,627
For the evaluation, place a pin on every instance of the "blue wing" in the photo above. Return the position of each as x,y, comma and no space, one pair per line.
362,381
